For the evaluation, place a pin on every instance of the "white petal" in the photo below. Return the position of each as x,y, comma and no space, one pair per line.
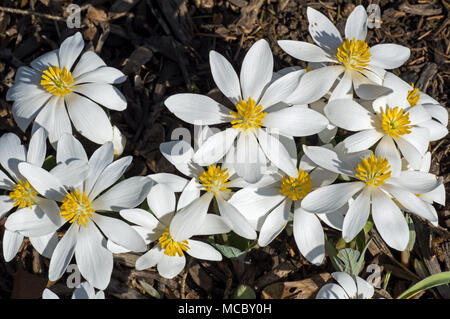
201,250
45,61
170,266
140,217
72,174
411,202
235,220
176,183
436,129
197,109
279,90
161,200
315,84
94,260
331,291
11,244
389,220
213,224
89,61
328,159
344,88
388,55
104,94
416,182
437,195
256,71
110,175
347,282
189,194
99,160
89,119
418,115
45,245
361,140
37,148
356,26
45,183
180,154
120,233
323,31
419,138
386,148
13,152
438,112
69,148
188,220
304,51
104,74
126,194
225,77
411,154
365,289
322,177
215,147
356,216
48,294
276,152
330,198
150,258
308,235
63,253
6,204
274,223
69,50
349,115
26,109
296,121
250,160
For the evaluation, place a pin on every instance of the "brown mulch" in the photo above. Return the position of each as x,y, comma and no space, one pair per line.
163,46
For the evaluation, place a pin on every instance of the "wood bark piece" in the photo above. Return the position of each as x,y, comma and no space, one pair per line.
302,289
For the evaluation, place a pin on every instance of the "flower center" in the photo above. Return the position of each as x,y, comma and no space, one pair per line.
77,207
24,194
373,171
248,115
215,179
354,54
413,96
170,246
394,122
296,187
56,81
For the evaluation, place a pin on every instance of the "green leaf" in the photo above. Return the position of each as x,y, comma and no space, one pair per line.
229,251
412,232
351,260
49,163
149,289
427,283
332,254
244,292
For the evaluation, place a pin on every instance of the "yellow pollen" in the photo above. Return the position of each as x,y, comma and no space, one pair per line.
170,246
248,115
215,179
373,171
395,123
354,54
24,194
296,187
413,96
56,81
77,207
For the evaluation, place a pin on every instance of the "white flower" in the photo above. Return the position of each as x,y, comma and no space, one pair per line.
32,209
84,291
268,207
348,287
376,191
217,181
54,83
390,127
119,141
259,113
361,64
172,231
84,200
437,195
407,96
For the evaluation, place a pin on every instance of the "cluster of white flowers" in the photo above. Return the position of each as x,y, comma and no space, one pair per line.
251,178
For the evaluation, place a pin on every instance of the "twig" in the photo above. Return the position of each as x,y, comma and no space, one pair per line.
25,12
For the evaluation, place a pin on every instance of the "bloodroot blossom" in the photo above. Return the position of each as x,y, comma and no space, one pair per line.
360,63
32,209
347,287
56,88
258,114
376,191
86,199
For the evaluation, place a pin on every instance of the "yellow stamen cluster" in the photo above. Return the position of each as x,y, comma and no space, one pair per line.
248,115
373,171
395,122
171,247
77,207
296,187
215,179
354,54
56,81
24,194
413,96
